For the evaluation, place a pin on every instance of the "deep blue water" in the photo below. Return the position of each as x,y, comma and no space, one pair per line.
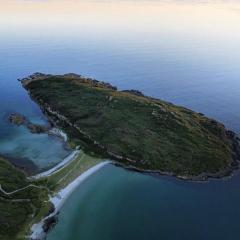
186,52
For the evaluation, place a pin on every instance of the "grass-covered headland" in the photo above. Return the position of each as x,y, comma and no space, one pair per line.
138,131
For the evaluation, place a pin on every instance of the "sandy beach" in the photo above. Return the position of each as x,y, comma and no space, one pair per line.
60,197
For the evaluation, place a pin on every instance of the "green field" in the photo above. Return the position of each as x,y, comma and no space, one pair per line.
67,174
154,134
18,210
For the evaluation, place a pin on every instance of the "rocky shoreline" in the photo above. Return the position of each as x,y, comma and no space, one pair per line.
202,177
20,120
56,118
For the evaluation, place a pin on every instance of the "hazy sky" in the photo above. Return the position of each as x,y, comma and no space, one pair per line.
152,17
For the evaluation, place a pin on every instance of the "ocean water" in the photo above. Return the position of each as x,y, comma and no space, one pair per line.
185,52
118,204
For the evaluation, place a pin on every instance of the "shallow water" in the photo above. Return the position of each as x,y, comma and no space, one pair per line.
186,52
17,142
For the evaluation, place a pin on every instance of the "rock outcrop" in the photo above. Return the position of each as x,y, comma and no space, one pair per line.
18,119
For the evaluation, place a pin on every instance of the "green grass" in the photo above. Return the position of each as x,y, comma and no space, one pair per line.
156,134
67,174
20,209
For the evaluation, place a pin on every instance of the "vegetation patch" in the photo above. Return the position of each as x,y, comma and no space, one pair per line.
140,131
21,202
67,174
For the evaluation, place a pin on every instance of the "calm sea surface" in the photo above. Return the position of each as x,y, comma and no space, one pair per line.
186,52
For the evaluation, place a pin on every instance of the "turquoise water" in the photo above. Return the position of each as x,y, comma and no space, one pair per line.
186,52
118,204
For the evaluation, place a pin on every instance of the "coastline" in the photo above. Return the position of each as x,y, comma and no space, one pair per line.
204,177
37,230
59,119
228,171
71,157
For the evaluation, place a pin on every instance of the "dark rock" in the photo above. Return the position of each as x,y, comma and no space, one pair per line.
231,134
49,223
17,119
34,128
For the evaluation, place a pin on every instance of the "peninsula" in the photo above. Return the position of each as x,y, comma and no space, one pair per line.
137,131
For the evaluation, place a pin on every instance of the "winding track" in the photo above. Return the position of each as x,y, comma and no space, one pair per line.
20,189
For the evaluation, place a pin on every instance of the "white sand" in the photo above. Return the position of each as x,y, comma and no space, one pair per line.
59,199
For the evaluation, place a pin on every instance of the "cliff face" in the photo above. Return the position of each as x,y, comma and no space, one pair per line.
140,131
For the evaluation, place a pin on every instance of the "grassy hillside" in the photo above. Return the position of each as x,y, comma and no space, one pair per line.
30,203
154,134
67,174
18,209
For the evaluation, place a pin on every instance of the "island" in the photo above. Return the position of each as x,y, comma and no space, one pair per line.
137,131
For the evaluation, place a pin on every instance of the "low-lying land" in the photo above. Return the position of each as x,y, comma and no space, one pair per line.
25,201
68,173
138,131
